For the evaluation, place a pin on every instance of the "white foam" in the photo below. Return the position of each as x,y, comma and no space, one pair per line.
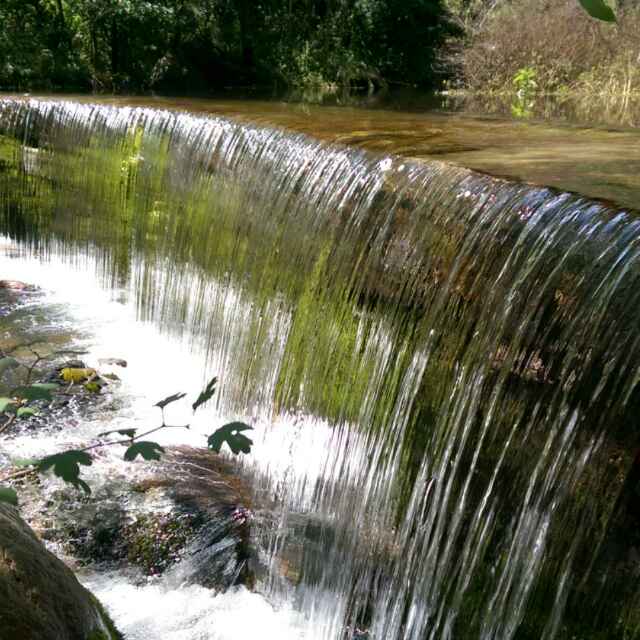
191,612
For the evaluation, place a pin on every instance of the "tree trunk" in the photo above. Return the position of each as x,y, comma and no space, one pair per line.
245,13
115,48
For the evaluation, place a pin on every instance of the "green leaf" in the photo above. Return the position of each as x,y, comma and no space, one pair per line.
169,399
145,449
9,496
66,465
8,404
33,393
205,395
599,10
93,387
231,434
8,363
26,412
37,391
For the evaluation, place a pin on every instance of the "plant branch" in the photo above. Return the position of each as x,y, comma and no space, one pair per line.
19,474
111,443
11,419
32,366
34,469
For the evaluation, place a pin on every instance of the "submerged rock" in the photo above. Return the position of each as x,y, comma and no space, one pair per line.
40,598
188,514
114,362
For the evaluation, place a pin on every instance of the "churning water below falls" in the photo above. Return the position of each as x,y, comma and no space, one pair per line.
442,368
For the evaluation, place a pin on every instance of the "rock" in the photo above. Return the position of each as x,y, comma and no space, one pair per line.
206,538
71,364
15,285
40,598
221,554
118,362
189,514
155,541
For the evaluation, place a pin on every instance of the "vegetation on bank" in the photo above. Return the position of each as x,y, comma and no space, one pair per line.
190,45
551,47
322,45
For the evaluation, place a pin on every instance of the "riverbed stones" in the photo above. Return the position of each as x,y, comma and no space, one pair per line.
40,598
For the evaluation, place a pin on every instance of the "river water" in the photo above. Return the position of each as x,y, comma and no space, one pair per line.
441,366
594,153
101,323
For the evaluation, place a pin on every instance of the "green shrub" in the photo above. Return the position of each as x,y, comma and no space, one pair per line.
566,47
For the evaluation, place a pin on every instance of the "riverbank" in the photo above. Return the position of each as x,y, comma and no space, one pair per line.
551,48
569,108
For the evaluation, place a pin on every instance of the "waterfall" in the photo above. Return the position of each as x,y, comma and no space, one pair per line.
471,343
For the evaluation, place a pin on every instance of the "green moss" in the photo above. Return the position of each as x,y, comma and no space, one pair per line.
8,151
109,631
154,542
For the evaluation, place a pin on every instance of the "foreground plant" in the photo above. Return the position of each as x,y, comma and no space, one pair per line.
599,10
67,464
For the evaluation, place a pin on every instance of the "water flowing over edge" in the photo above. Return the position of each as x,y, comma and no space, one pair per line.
472,342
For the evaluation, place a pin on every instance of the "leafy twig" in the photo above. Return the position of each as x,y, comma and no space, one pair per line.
132,439
11,419
66,465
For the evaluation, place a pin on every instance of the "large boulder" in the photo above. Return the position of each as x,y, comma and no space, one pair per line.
40,598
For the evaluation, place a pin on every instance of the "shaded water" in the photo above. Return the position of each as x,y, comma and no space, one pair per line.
445,364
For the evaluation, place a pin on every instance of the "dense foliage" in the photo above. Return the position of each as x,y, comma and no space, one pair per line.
205,44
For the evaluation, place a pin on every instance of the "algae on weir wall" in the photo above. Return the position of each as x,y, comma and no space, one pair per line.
473,343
